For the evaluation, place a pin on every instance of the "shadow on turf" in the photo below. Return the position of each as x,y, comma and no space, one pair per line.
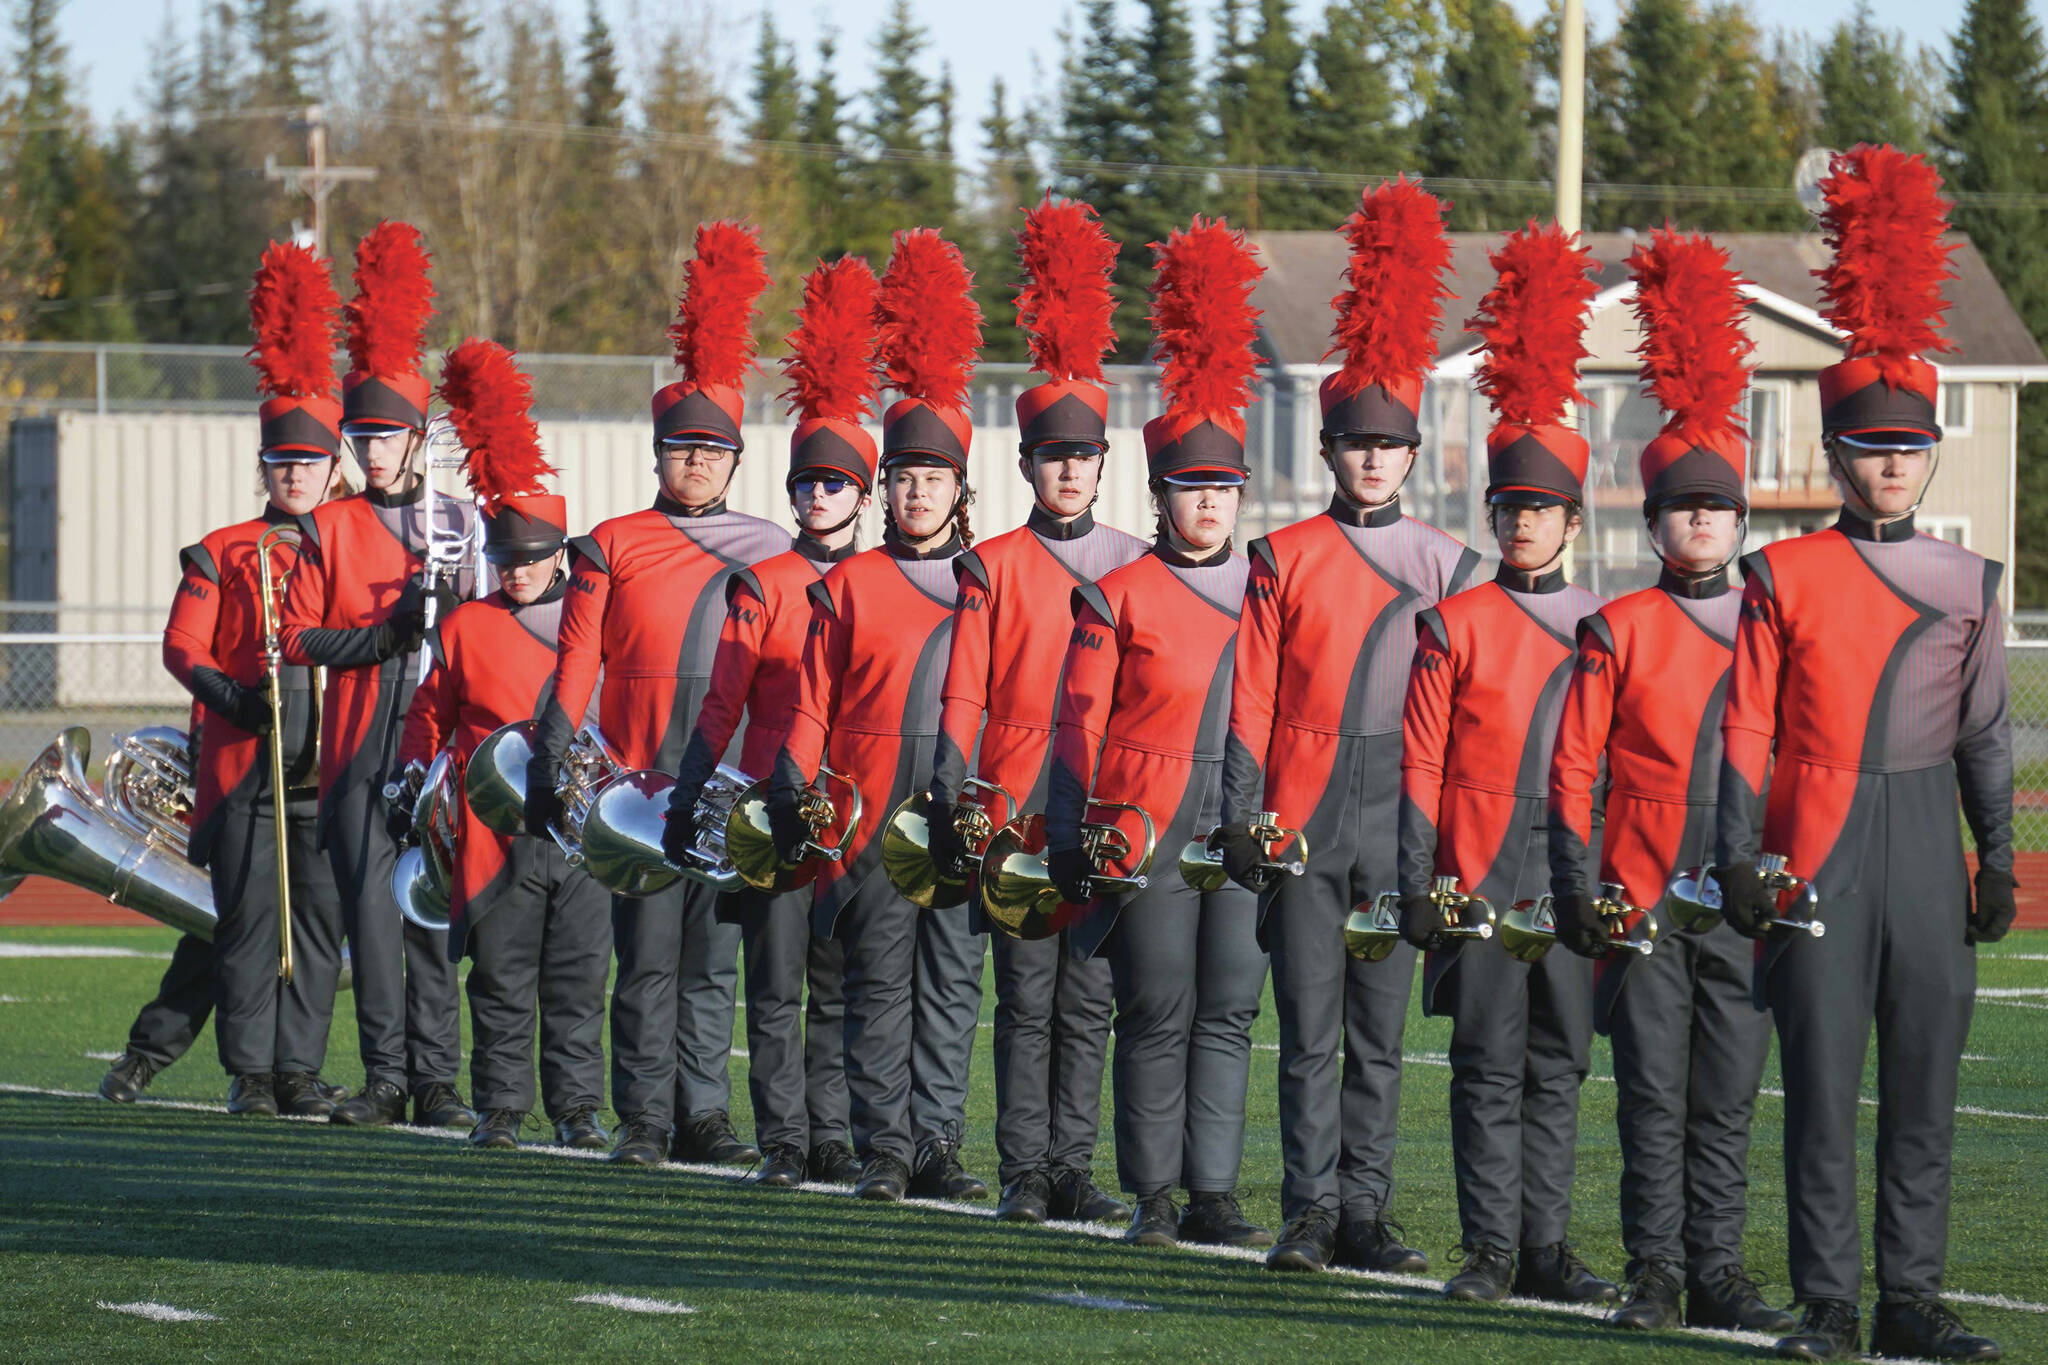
85,1180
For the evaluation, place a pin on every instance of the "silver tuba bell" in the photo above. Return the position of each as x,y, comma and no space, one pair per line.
424,874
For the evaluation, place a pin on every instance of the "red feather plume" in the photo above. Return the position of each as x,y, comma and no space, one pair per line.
292,309
1533,324
722,286
1690,306
1066,303
831,362
491,403
930,323
387,319
1203,321
1387,320
1884,217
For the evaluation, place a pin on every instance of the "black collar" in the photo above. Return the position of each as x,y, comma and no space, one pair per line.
1181,560
1699,587
1516,580
379,498
557,586
1858,528
276,516
819,553
1049,527
897,548
1352,513
668,506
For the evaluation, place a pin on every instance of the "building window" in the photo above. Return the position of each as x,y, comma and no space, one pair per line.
1955,409
1765,418
1954,530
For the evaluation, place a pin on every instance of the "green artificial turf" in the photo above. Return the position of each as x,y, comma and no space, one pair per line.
306,1241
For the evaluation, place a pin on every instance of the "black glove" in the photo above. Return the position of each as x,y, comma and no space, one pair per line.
543,807
1422,922
947,850
1580,926
787,824
1242,854
398,819
1746,904
250,710
679,833
1071,869
1992,917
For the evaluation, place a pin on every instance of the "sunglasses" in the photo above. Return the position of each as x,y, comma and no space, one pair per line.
831,485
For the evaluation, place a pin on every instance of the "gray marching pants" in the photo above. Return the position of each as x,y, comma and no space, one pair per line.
1052,1023
260,1023
1689,1050
164,1029
1188,974
796,1065
673,1005
542,946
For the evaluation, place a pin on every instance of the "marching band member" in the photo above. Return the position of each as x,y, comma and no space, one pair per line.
1144,704
1646,701
1868,696
868,706
538,931
646,598
1315,737
272,1034
358,605
796,1070
1009,641
166,1027
1489,674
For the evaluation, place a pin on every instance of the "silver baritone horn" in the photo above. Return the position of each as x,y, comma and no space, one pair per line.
424,874
1695,898
1201,861
1372,932
1529,930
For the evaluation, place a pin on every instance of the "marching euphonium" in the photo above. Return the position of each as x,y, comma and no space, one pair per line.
1695,898
907,846
1529,929
1016,885
833,801
1201,861
424,874
1372,932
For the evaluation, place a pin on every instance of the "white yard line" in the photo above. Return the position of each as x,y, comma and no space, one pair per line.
1096,1301
157,1312
11,949
629,1304
2011,992
1999,1301
103,1056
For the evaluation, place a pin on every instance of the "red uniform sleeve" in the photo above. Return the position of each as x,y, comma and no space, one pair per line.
1087,689
1582,730
1425,736
188,635
431,718
305,605
1253,687
1750,724
579,656
966,689
825,654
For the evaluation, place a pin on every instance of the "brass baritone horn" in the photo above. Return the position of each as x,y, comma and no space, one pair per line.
833,801
907,847
1016,885
1529,929
1201,861
495,782
1372,933
621,834
424,875
1695,898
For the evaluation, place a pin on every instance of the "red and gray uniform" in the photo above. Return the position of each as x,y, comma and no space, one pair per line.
539,931
1645,704
1144,707
868,707
1868,696
1484,693
213,646
646,599
359,554
1315,737
1009,643
796,1071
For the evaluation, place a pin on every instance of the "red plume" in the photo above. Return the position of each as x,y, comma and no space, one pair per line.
1884,218
1387,320
831,362
722,285
491,403
1203,322
292,309
930,323
1065,303
387,319
1690,306
1533,324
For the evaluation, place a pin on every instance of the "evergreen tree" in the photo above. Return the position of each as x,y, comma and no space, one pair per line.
1259,108
1478,123
775,95
1746,145
285,39
827,172
602,98
907,175
1666,74
1009,185
1869,88
1348,126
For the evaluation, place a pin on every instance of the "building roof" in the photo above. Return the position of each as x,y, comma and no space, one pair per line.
1304,272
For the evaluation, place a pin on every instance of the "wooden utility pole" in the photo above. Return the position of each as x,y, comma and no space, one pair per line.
1571,113
316,178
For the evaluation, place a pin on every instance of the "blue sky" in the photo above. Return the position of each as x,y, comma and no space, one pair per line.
110,40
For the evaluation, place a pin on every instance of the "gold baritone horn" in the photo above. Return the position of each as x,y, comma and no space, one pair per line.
907,845
1201,860
832,806
1373,930
1694,898
1017,892
1529,929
